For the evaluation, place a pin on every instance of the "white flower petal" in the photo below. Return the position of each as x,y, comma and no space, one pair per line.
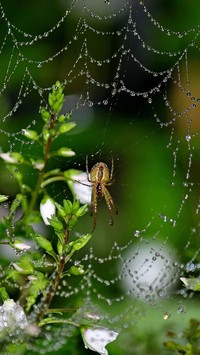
7,157
96,339
47,209
184,280
82,192
17,267
12,318
20,245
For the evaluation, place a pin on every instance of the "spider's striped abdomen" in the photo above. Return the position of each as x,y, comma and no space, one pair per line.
100,173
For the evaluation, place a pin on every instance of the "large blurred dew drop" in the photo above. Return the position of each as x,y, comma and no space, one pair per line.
148,271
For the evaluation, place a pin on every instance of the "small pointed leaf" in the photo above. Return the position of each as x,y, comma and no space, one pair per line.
44,243
66,127
81,242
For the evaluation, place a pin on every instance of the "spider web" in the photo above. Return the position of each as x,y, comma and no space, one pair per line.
131,76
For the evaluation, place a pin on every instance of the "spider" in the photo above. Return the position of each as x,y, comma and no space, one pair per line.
100,176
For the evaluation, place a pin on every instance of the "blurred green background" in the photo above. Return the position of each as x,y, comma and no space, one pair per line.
122,126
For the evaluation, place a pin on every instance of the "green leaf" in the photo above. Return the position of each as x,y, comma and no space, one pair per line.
61,235
67,206
60,248
45,114
39,283
16,203
77,270
192,283
44,243
3,227
76,205
22,267
81,242
15,172
55,223
60,209
66,127
3,198
82,210
3,294
72,222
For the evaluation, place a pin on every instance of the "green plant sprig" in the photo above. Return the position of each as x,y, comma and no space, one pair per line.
63,224
29,265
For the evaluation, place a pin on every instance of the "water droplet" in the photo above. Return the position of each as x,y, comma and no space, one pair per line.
191,267
90,103
125,325
181,309
163,217
166,315
137,233
188,137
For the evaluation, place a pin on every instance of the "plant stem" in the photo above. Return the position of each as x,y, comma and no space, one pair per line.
42,172
52,179
56,280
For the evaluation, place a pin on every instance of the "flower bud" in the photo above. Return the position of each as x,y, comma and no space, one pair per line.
38,164
20,245
80,186
96,339
47,209
65,152
30,134
66,127
12,157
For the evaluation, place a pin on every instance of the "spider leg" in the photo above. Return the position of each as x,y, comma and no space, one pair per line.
87,170
112,170
93,207
111,177
110,204
80,182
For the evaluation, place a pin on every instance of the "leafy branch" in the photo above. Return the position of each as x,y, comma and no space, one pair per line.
37,276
